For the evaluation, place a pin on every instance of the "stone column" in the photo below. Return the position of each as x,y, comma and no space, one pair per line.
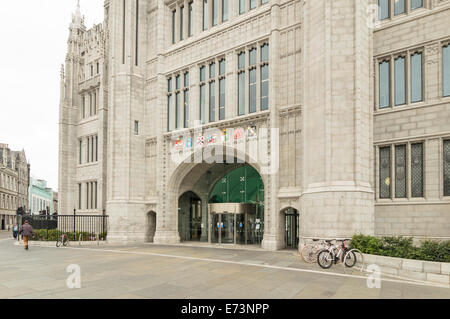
338,195
273,238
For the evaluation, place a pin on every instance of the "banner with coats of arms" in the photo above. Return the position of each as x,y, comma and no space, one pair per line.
214,138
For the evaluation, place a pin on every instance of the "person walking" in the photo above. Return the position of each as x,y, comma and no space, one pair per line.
15,230
26,231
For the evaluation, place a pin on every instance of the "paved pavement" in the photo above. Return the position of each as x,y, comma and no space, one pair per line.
151,271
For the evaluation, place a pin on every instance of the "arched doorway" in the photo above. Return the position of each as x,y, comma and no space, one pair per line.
291,229
237,208
190,217
224,205
150,227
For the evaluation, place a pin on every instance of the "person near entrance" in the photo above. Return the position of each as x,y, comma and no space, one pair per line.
26,231
15,229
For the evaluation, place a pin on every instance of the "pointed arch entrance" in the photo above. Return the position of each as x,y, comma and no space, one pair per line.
224,205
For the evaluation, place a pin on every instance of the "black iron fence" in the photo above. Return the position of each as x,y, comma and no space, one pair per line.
76,227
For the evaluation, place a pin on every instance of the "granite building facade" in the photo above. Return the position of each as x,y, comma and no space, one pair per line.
267,122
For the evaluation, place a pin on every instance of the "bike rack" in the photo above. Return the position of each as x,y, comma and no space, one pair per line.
314,239
355,251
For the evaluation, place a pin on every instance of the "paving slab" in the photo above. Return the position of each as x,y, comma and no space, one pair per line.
157,271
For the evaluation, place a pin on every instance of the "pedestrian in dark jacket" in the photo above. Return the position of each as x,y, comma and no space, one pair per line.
26,231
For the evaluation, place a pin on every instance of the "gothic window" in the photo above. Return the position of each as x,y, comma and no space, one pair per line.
177,110
212,92
90,104
212,70
190,18
95,103
446,161
174,25
89,156
264,77
383,9
384,84
186,100
400,81
169,105
400,171
242,6
241,84
224,10
205,14
80,142
181,22
385,172
222,88
416,77
203,95
417,170
399,7
252,81
415,4
446,70
136,127
87,195
252,91
83,113
177,101
215,11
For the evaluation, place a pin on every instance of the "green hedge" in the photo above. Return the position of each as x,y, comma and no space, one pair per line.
402,247
54,234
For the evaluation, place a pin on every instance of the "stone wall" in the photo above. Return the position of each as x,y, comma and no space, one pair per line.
428,122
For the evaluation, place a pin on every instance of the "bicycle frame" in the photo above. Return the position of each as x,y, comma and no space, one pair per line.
340,254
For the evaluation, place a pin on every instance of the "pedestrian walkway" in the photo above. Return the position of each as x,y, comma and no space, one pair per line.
155,271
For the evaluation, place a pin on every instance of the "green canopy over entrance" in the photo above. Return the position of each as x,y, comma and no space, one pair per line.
242,185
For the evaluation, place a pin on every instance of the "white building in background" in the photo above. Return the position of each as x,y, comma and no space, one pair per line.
41,197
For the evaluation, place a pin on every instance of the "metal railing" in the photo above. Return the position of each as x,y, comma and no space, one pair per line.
50,227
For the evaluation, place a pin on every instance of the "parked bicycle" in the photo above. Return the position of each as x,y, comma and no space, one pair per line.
310,251
63,240
335,253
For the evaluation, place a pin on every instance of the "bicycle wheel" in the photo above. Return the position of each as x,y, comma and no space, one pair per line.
350,259
325,259
308,254
66,242
58,242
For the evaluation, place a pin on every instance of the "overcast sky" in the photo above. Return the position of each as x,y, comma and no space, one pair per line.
34,36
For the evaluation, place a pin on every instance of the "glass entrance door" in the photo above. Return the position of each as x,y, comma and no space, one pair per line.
292,230
227,230
215,228
240,229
